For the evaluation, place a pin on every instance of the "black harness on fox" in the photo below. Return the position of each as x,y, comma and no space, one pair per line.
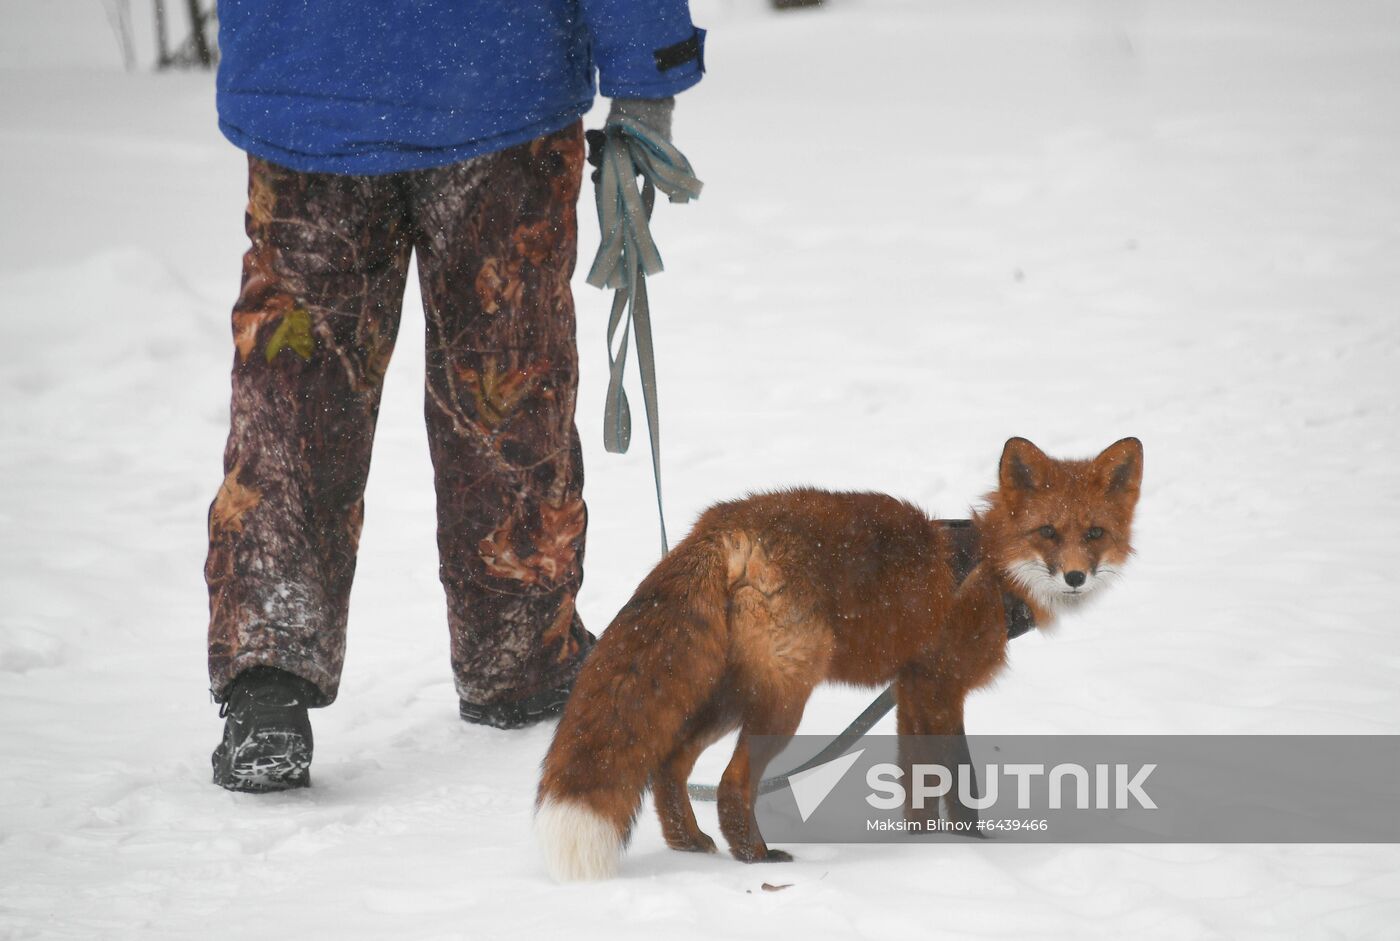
966,545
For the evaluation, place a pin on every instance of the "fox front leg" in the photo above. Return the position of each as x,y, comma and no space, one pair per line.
963,781
930,725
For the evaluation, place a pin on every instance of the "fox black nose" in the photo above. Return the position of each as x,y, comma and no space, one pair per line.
1074,579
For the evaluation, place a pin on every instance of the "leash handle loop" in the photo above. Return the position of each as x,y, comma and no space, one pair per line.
627,254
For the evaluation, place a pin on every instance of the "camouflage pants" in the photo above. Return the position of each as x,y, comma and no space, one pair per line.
314,326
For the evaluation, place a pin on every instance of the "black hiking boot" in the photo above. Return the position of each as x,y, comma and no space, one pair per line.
267,733
517,715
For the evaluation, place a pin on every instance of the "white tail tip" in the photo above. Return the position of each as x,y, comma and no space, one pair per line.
578,844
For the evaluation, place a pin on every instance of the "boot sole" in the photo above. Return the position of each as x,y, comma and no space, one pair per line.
510,716
267,761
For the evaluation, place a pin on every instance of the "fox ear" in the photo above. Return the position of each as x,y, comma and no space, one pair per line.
1023,466
1120,466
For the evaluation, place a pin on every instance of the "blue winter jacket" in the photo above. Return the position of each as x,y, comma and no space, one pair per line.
380,86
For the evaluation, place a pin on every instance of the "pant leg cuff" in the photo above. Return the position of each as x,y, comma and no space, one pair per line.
562,679
327,684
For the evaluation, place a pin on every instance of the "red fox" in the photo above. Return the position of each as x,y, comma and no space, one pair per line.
771,595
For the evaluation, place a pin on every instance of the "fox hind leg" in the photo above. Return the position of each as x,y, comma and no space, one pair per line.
669,792
781,651
765,733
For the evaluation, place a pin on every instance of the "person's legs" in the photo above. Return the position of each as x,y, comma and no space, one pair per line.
496,238
313,327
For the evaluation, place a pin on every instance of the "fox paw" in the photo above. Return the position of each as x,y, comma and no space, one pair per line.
699,843
762,856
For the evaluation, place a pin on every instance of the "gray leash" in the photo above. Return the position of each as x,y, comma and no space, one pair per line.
838,746
627,255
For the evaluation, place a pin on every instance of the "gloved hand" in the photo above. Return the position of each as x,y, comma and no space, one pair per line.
655,113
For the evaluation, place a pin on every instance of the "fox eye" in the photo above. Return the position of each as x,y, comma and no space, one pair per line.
1093,532
1047,531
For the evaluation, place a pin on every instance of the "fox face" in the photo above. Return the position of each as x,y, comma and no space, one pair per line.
1062,530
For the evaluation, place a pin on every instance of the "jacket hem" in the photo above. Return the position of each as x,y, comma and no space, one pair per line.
396,159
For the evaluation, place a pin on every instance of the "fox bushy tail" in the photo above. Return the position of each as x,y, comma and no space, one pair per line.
653,669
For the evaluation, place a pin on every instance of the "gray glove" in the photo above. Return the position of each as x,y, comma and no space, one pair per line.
655,113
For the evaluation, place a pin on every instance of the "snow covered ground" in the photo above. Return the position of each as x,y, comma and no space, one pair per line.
928,225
